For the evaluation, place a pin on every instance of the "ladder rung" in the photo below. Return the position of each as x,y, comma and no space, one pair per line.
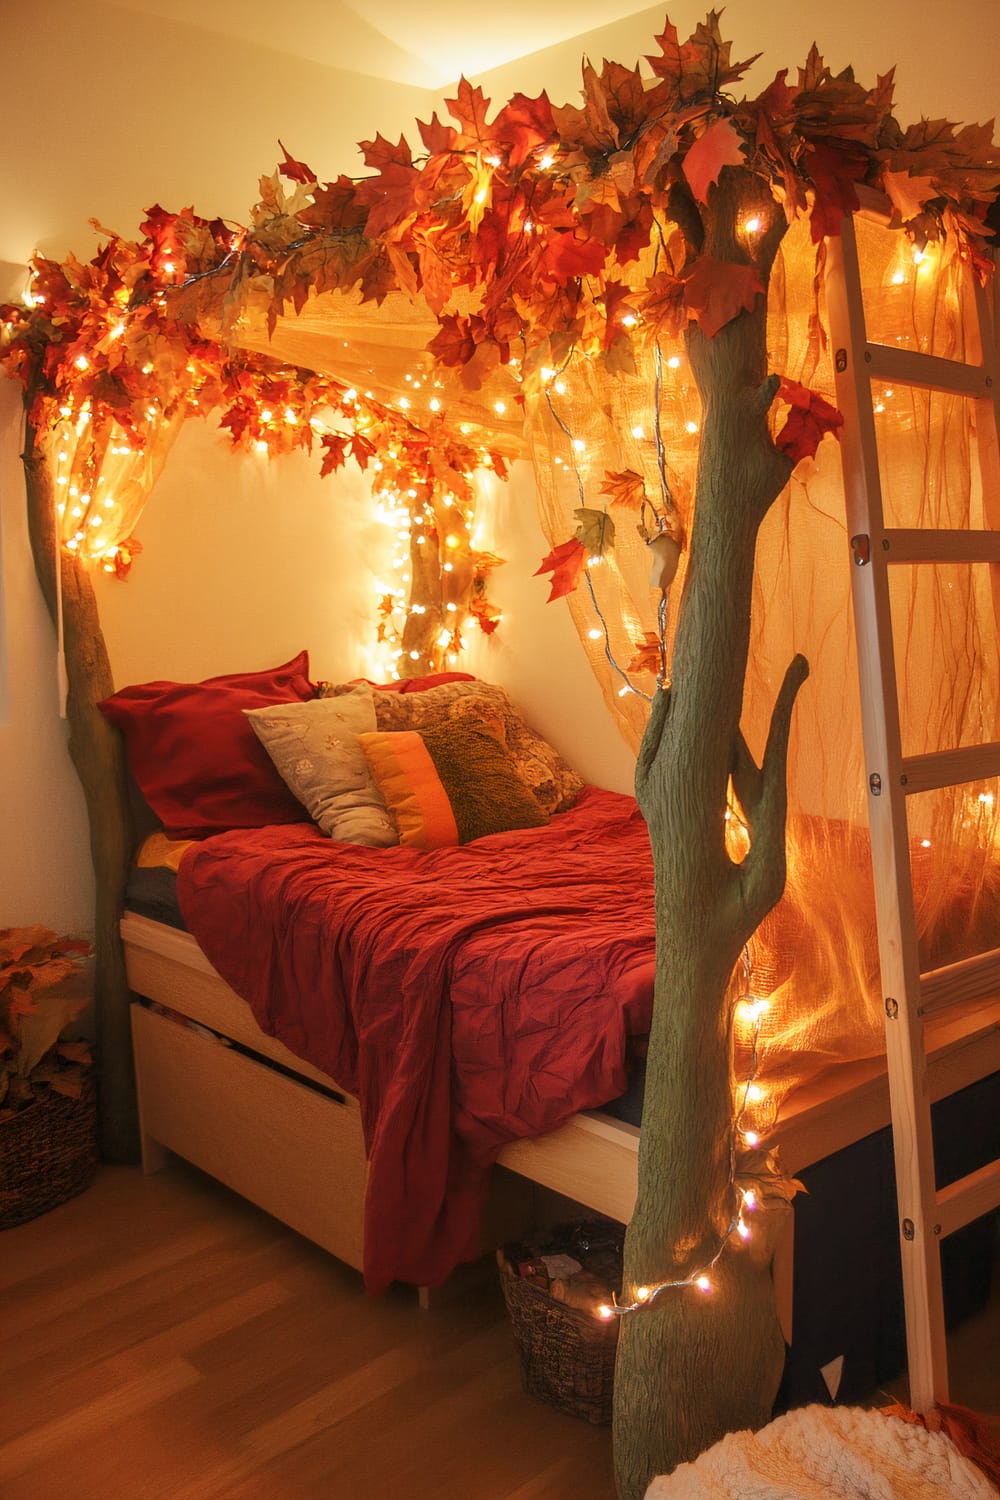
925,773
968,1198
918,546
909,367
969,979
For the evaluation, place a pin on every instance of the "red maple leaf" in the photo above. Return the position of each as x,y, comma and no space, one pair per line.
454,343
469,109
715,291
566,257
811,417
522,126
381,153
664,305
335,206
565,563
834,173
437,137
295,171
334,453
721,145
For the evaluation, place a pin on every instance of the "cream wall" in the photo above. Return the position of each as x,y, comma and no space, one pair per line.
107,113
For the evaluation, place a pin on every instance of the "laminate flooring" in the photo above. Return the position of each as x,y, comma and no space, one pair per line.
160,1337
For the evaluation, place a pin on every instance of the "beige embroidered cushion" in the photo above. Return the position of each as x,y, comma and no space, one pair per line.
314,746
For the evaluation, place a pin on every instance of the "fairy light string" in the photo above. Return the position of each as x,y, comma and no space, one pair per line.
745,1199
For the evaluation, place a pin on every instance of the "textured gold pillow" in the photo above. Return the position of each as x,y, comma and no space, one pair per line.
448,784
538,763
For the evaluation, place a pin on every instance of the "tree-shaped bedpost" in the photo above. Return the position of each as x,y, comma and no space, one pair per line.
696,1365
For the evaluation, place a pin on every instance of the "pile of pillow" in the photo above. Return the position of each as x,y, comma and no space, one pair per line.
431,762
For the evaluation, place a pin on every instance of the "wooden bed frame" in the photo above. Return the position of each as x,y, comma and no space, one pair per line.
242,1107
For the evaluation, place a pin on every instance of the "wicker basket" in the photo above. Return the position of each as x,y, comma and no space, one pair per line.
48,1153
567,1354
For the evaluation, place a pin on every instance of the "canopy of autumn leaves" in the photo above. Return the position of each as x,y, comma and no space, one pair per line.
527,236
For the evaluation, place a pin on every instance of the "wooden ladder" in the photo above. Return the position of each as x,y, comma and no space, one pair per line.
926,1215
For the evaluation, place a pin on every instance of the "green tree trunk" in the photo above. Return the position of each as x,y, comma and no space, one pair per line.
98,756
694,1365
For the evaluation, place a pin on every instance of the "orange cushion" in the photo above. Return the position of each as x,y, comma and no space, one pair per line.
448,784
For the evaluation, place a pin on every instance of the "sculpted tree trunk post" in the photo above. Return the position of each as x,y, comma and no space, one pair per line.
97,753
695,1365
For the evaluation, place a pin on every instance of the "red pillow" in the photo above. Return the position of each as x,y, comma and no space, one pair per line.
421,684
193,753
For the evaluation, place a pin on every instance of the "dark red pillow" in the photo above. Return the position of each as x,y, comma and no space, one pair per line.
193,753
420,684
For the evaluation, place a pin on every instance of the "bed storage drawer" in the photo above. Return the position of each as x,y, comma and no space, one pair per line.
206,1101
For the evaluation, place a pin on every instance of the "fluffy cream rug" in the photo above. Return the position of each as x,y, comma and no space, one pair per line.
828,1453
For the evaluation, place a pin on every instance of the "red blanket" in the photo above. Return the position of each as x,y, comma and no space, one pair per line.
466,996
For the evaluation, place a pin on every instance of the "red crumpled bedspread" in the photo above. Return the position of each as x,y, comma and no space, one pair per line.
466,997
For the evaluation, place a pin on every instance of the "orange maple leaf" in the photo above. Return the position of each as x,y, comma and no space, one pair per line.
565,563
721,145
648,654
715,291
626,488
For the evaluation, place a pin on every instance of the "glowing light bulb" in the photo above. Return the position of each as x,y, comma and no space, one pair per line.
743,1230
749,1198
435,404
629,321
674,362
546,162
755,1092
752,225
751,1137
260,446
604,1311
642,1294
414,655
82,362
638,433
560,388
898,277
595,635
499,407
579,446
691,427
703,1284
290,416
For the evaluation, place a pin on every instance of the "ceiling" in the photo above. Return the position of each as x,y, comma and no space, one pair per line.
426,43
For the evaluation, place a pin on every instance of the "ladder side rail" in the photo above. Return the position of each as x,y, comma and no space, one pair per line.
987,414
905,1053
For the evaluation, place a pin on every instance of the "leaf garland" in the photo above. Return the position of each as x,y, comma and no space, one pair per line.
535,233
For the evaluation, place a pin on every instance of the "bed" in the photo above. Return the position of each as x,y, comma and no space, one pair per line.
239,1072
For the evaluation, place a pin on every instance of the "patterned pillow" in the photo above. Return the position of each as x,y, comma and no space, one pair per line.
447,784
538,763
315,749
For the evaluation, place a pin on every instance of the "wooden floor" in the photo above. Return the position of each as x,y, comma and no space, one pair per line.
160,1337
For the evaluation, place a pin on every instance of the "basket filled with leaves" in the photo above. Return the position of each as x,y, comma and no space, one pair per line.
554,1285
48,1104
